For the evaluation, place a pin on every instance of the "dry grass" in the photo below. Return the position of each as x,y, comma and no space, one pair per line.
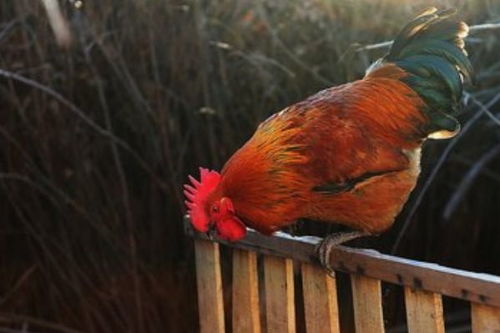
98,139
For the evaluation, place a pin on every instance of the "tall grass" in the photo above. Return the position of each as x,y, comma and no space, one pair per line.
97,140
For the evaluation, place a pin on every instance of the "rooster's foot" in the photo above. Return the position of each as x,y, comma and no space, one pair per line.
325,247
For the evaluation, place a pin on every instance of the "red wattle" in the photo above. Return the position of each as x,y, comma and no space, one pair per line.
231,229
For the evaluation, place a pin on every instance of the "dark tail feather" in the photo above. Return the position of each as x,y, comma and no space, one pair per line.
431,50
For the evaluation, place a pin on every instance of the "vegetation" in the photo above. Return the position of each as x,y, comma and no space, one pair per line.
97,140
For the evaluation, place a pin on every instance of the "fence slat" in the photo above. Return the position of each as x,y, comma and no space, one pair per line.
424,311
485,318
367,301
246,318
280,303
209,283
320,300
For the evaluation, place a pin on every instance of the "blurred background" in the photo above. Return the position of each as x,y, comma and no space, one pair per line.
102,121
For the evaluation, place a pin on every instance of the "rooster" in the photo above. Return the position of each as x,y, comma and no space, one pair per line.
349,154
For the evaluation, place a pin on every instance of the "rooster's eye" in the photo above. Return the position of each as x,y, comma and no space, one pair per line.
215,209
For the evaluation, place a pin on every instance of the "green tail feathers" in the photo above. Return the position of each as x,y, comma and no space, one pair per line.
431,50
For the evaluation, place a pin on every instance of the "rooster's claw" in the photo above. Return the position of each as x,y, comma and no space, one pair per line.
325,247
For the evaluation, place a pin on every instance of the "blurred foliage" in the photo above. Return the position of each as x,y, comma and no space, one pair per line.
98,139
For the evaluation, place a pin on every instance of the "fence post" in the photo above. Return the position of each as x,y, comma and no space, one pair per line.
246,314
485,318
209,283
279,288
367,301
424,311
320,299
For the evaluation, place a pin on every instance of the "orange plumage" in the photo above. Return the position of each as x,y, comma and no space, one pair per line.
348,154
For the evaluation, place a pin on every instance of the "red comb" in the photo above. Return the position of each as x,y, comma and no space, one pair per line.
196,194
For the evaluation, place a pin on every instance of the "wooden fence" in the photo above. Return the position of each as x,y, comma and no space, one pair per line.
423,283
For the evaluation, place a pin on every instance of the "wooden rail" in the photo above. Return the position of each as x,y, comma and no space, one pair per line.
424,285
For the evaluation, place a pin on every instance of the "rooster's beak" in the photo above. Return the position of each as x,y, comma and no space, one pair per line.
212,232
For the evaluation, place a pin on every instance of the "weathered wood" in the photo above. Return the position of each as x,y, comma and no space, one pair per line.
367,302
209,284
246,314
279,290
424,311
320,300
475,287
485,319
